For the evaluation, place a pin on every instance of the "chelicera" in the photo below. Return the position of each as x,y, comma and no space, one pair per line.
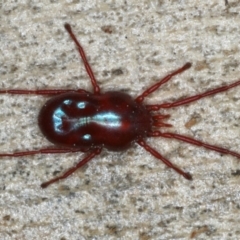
82,121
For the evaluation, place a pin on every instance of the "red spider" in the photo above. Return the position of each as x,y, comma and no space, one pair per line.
78,120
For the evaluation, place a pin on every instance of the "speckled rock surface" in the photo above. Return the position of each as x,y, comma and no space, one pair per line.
129,195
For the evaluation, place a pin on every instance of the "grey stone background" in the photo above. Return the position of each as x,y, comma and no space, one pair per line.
130,44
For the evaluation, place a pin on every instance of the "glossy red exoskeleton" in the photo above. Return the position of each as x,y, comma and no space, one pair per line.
78,120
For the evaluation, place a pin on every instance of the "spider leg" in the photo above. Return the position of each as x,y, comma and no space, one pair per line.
192,98
40,92
153,88
40,151
194,142
88,68
157,155
90,156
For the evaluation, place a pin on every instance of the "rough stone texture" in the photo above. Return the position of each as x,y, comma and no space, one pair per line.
130,44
